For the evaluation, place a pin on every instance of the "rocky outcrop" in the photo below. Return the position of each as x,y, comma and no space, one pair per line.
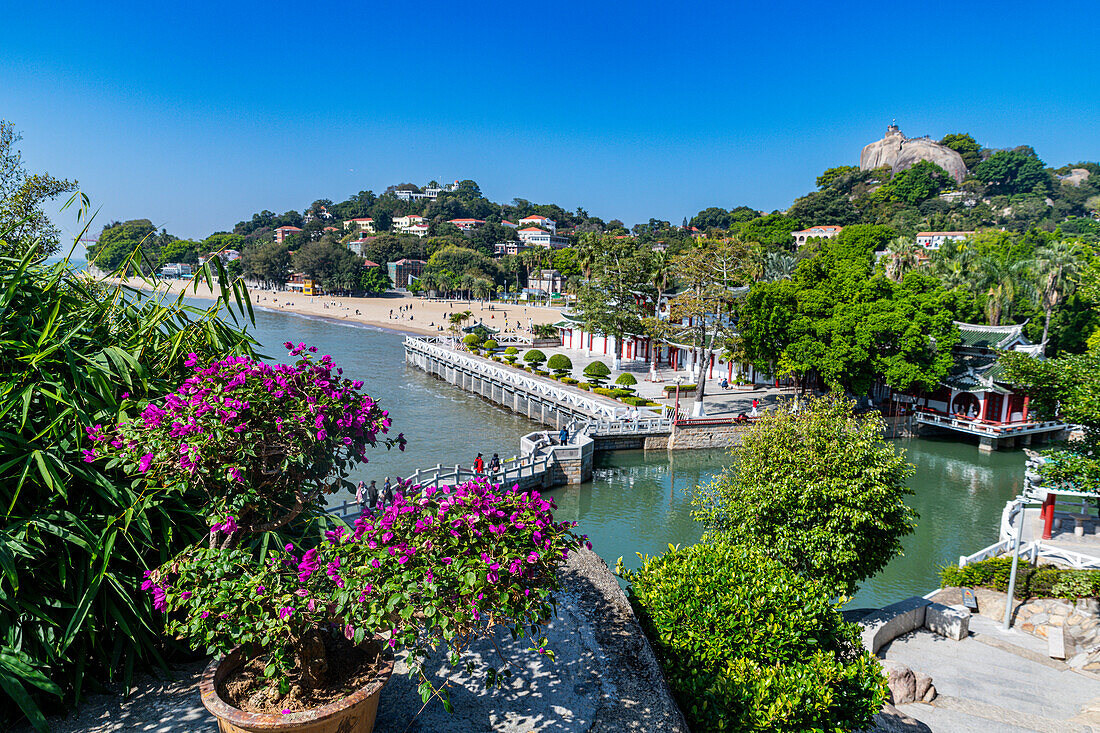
899,153
1076,176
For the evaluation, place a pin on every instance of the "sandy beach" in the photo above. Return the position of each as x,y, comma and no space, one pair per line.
396,311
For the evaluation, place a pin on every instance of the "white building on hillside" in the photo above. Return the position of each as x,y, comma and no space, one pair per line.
823,232
533,237
406,224
539,221
935,240
468,225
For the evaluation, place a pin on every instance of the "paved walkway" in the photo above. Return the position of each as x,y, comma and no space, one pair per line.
717,402
997,681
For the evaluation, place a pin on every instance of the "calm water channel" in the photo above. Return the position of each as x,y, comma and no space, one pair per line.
638,502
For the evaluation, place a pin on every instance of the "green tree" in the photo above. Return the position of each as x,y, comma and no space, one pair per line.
917,184
374,280
535,358
597,373
610,304
1057,266
966,146
22,196
747,644
560,364
773,231
818,490
119,240
1013,172
833,176
710,271
181,250
269,263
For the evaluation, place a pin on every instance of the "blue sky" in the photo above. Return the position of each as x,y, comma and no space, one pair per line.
198,114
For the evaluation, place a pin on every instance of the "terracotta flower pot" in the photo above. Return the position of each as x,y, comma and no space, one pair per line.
353,714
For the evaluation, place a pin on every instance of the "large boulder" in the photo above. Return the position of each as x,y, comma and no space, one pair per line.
899,153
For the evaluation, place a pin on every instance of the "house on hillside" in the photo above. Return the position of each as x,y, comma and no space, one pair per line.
975,399
508,248
322,213
539,221
467,225
411,224
283,232
534,237
226,256
935,240
363,224
824,232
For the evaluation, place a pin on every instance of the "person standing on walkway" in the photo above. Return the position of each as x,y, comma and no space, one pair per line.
563,436
755,408
479,464
494,463
359,495
387,491
372,493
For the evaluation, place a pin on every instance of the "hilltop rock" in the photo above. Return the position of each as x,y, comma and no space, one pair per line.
899,152
1076,177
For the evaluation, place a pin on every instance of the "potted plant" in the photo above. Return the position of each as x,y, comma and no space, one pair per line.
308,627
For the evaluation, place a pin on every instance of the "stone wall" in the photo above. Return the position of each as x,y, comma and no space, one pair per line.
1080,621
687,437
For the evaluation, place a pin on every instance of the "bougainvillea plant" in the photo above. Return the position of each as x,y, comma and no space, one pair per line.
435,567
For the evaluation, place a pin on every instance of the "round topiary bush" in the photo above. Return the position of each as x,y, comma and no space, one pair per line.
626,381
747,644
597,372
510,354
534,357
490,345
560,365
472,340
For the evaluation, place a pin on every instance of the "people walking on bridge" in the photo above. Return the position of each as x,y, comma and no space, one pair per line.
479,465
494,463
359,494
563,436
387,491
372,493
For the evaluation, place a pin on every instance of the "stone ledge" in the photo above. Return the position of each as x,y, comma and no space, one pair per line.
887,624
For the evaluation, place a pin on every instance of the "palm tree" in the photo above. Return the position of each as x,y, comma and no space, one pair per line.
777,266
457,319
466,285
1056,267
482,287
902,256
1000,280
956,270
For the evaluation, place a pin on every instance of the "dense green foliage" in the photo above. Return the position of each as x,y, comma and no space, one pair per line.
597,373
75,539
818,490
534,357
1032,581
747,644
560,364
22,197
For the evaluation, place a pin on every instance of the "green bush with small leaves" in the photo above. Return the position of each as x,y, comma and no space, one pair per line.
490,345
626,381
638,401
560,365
1045,581
535,358
511,354
671,388
472,340
748,644
568,380
597,372
603,391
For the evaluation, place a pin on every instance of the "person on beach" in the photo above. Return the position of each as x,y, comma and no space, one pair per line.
359,494
479,464
494,463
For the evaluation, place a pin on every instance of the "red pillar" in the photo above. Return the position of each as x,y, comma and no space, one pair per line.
730,371
710,369
1026,398
985,406
1047,514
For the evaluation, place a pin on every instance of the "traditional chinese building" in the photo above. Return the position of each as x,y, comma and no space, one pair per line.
976,399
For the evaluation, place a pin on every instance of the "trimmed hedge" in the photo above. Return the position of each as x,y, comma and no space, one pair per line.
747,644
1044,581
560,365
671,388
510,355
490,345
542,372
638,401
568,380
597,372
534,357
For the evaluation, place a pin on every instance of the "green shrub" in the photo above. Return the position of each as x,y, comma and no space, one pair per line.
671,388
585,386
510,354
638,401
605,392
534,357
620,393
544,331
472,340
560,365
748,644
568,380
496,358
1031,582
597,372
490,345
542,372
626,379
